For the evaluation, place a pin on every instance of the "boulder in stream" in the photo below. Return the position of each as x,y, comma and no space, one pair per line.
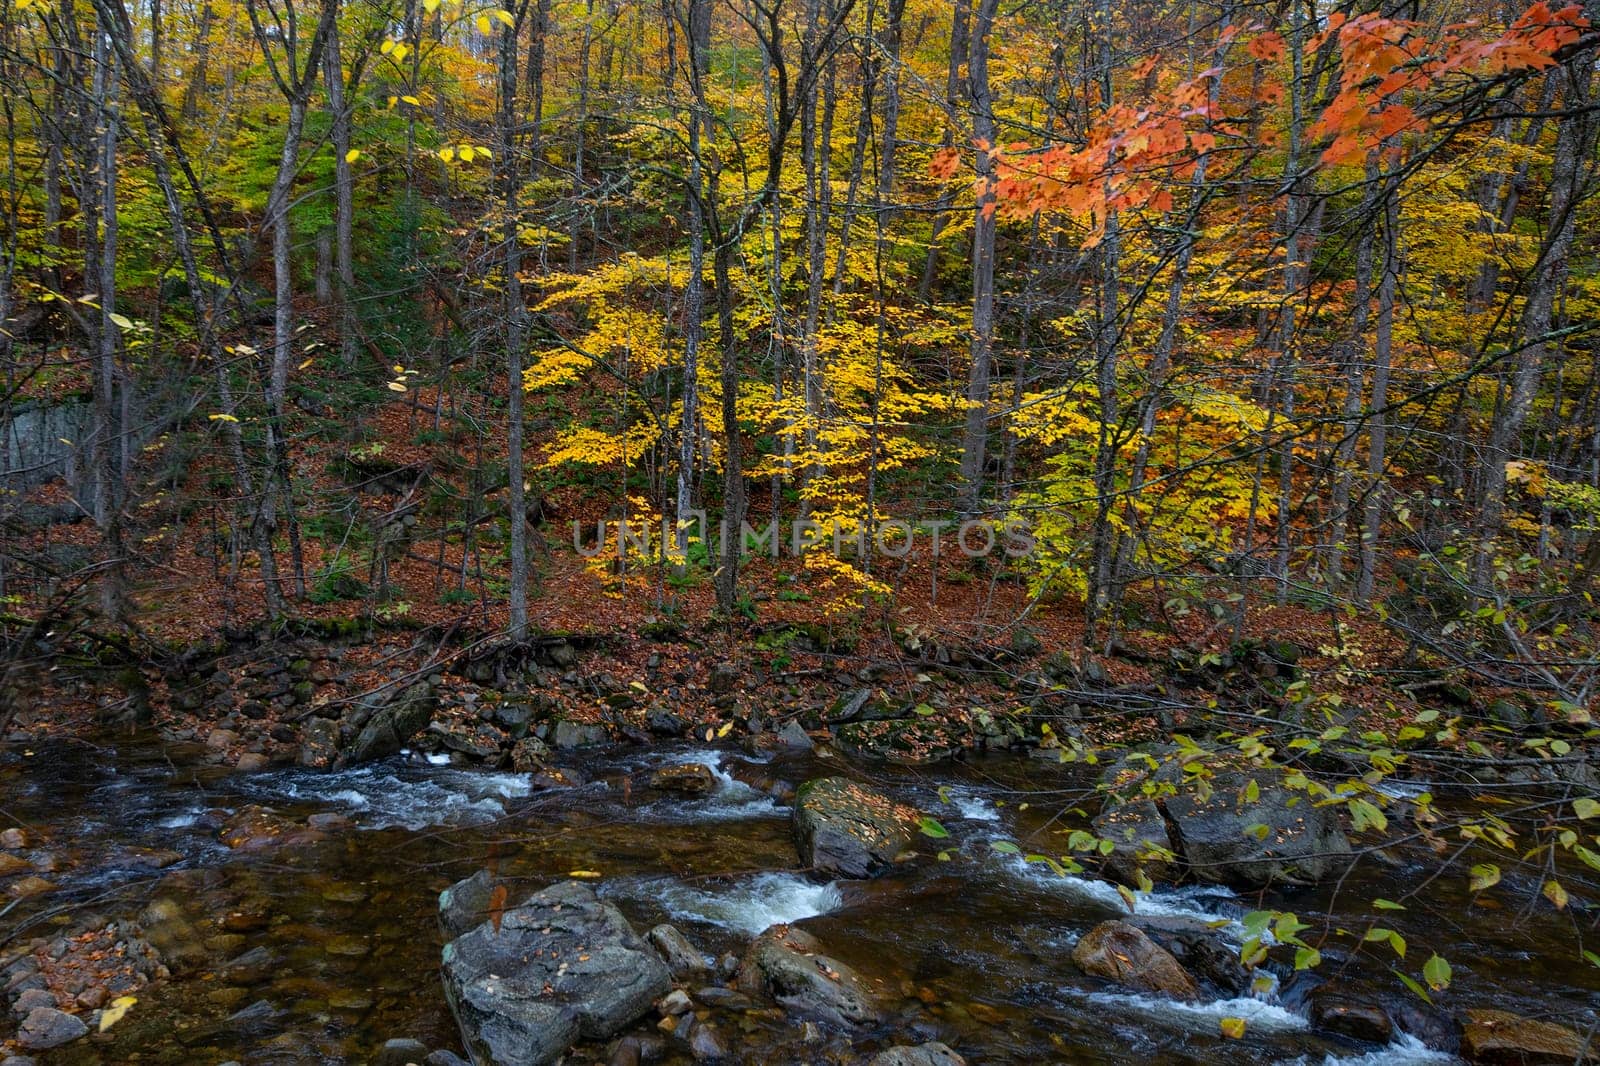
848,830
1122,953
1334,1010
1213,828
1200,950
393,724
560,966
789,965
689,777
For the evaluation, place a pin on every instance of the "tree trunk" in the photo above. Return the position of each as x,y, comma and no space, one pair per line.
1575,145
975,436
516,311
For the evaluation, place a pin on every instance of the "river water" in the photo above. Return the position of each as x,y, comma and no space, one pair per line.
972,948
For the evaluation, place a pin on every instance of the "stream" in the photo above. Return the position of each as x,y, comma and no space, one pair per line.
340,941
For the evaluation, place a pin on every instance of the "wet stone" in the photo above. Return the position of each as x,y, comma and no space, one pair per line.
46,1027
692,778
682,958
790,965
848,830
1120,952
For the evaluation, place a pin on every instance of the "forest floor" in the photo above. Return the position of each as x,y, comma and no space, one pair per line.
955,636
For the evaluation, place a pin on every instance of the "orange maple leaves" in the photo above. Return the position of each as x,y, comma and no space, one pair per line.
1387,68
1383,60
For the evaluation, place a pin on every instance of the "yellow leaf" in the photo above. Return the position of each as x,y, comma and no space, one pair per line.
505,17
386,47
447,154
430,6
1233,1028
465,152
1556,894
352,155
725,730
222,418
393,100
485,152
588,875
305,364
483,24
113,1014
397,386
412,100
120,321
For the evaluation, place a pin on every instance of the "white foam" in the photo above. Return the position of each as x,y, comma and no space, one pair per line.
1258,1014
748,905
381,798
972,806
1406,1050
1196,902
1396,789
729,799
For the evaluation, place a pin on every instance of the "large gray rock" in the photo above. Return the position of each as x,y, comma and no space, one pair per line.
789,965
1220,838
570,734
934,1054
849,830
561,966
393,724
1122,953
1166,820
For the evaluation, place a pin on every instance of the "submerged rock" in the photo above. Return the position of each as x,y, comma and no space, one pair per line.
562,965
789,965
400,1052
255,827
1496,1037
933,1054
1122,953
848,830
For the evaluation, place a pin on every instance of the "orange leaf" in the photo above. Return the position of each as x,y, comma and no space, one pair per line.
497,906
